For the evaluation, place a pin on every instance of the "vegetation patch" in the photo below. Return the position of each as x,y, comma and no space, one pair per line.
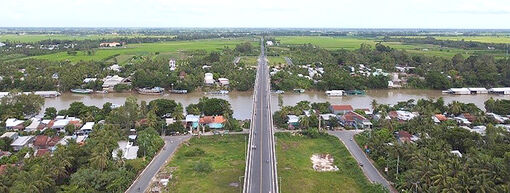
297,175
209,164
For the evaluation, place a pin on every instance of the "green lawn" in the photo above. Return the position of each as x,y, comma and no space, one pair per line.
352,43
276,60
226,155
147,48
249,60
297,175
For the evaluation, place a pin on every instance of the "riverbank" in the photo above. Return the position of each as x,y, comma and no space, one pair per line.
241,101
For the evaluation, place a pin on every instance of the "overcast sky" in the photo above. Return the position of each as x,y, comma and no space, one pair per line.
257,13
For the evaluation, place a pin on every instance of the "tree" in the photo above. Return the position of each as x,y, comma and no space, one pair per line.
162,106
50,113
149,142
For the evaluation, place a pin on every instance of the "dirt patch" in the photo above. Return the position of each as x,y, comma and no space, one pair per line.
323,163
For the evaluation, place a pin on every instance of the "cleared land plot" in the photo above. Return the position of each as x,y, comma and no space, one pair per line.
276,60
226,156
296,172
146,48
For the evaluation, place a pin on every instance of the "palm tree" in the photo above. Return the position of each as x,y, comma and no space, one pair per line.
304,122
374,105
99,160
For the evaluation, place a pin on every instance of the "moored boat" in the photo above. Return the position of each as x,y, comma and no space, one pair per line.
155,90
82,91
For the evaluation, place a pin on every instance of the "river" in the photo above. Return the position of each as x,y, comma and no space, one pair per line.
242,101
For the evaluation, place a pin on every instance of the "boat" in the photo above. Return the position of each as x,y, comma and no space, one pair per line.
179,91
219,92
355,92
82,91
155,90
333,93
102,92
299,90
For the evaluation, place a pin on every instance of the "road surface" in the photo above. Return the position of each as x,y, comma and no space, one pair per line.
260,172
141,184
347,137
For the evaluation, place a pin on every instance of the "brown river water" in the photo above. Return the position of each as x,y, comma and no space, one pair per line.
242,101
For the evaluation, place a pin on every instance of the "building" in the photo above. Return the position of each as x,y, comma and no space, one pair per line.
110,81
353,119
110,44
437,118
468,116
213,122
334,93
87,80
115,68
192,122
402,115
459,91
223,81
208,79
87,128
340,109
478,90
14,124
293,120
505,90
22,142
404,137
127,150
36,125
12,135
171,64
45,142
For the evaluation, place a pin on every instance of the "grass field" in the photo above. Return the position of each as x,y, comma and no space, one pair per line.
352,43
296,172
276,60
146,48
501,39
226,155
38,37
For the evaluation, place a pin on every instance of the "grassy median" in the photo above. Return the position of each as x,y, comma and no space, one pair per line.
297,175
209,164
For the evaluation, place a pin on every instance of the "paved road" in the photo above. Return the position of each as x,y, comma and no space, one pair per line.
261,171
141,184
347,137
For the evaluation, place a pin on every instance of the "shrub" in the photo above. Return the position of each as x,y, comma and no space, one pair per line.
194,152
203,167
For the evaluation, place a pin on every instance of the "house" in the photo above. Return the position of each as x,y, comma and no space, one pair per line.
55,75
192,122
469,117
45,142
367,111
14,124
402,115
478,90
437,118
87,128
41,152
208,79
126,150
269,43
340,109
115,68
171,64
459,91
87,80
213,122
462,121
504,90
12,135
497,118
109,82
169,121
353,119
404,137
22,142
223,81
110,44
36,125
5,154
293,120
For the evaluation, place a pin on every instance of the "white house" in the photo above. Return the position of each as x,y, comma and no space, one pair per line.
478,90
269,43
13,123
87,80
459,91
111,81
22,142
505,90
209,79
171,64
223,81
12,135
87,128
128,150
115,68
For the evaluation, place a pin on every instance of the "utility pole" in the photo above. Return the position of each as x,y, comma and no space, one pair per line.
398,160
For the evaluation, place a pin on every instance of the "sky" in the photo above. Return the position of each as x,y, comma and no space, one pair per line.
457,14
